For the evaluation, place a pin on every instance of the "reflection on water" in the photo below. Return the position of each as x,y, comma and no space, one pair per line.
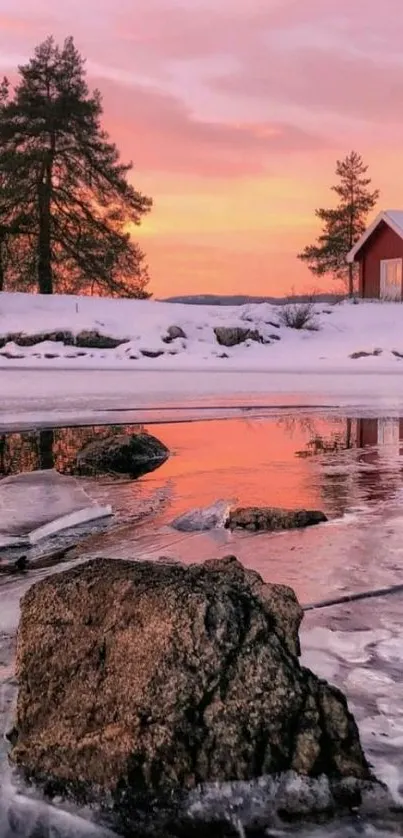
350,468
333,463
50,448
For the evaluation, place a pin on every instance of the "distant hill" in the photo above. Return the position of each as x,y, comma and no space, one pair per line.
243,299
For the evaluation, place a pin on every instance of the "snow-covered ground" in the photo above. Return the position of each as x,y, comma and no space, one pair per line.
53,383
341,330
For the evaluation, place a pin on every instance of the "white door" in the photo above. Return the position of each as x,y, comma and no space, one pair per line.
391,279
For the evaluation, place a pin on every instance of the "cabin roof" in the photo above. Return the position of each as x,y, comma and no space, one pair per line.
394,220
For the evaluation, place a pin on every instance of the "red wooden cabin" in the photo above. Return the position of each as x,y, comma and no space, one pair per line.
379,253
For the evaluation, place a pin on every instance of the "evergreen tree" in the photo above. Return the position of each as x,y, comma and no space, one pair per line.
343,225
66,205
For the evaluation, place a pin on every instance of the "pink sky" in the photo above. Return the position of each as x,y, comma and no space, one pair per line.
234,114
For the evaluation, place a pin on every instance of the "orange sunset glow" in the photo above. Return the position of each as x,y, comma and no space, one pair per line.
234,114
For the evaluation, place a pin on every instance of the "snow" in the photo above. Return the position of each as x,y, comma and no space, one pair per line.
303,368
397,217
343,329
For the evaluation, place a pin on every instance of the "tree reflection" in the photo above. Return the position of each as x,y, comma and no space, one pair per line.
338,440
51,448
45,449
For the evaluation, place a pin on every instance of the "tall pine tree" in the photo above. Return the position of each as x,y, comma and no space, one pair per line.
343,225
66,204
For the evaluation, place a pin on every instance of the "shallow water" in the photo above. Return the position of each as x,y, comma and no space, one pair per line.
350,468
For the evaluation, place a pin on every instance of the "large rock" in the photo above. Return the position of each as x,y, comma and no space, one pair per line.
86,339
92,339
133,454
233,335
21,339
145,679
269,518
174,333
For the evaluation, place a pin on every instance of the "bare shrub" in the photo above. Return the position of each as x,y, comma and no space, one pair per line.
299,316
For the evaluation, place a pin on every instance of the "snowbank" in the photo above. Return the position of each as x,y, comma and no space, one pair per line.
343,330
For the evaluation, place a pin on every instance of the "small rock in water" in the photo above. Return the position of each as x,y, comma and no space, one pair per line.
267,518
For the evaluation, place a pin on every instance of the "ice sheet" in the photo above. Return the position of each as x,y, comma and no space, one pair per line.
38,504
203,518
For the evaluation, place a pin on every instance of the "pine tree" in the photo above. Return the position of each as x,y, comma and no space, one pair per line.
343,225
66,205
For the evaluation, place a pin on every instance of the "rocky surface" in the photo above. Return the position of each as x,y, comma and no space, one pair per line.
232,336
20,339
139,680
86,339
257,518
92,339
134,454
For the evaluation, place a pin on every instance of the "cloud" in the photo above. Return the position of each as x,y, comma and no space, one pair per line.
320,80
161,134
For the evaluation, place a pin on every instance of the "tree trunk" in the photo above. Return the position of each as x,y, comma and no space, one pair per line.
45,279
45,273
351,280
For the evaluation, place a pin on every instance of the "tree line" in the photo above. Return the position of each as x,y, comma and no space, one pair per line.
66,202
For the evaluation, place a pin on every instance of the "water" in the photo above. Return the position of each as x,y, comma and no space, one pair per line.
351,468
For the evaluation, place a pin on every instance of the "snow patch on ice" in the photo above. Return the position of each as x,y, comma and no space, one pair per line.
351,646
369,681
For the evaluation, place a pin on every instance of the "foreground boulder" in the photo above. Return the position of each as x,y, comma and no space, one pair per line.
268,518
132,454
139,680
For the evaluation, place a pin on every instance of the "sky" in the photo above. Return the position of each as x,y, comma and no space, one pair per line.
234,114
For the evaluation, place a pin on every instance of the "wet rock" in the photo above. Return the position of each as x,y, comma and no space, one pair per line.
256,518
173,333
233,335
133,454
140,680
92,339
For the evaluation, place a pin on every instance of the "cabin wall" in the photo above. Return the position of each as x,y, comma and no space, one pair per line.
383,244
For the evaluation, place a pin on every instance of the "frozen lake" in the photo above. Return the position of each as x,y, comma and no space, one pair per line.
57,396
345,461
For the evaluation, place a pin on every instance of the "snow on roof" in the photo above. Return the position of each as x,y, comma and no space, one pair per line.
397,217
394,220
